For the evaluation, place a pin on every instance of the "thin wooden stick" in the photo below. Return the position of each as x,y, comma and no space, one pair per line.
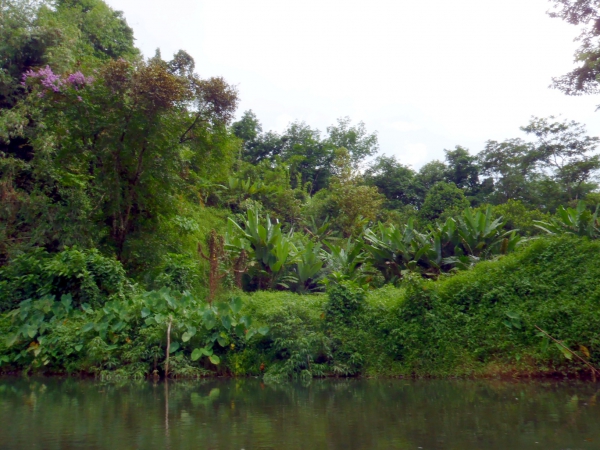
168,348
594,370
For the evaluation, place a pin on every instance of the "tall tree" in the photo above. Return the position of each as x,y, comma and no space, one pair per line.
510,165
584,14
355,139
564,148
257,146
462,169
128,140
394,180
443,197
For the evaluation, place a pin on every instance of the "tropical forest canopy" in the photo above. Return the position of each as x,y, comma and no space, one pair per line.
126,182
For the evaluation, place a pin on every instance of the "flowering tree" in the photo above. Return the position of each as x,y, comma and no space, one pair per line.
126,140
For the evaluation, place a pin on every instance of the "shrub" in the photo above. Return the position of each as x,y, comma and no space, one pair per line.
87,275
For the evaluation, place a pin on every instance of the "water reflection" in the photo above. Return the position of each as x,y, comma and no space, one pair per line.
350,414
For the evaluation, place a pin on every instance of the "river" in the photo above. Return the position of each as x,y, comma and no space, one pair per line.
52,413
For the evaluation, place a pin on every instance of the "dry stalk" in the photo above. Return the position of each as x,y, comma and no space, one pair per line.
593,369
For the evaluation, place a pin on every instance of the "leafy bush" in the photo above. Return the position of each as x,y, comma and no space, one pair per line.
145,331
86,275
345,302
476,322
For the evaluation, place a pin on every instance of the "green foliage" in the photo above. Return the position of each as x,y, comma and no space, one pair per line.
394,251
115,171
442,197
463,170
348,262
584,14
480,236
133,334
85,275
118,150
267,245
578,221
457,243
517,216
479,322
345,302
309,266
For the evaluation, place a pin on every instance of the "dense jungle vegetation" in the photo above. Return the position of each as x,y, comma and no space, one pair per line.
144,231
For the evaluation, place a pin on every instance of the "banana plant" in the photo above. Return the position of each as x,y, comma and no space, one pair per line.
578,221
457,243
270,248
308,267
482,237
244,186
319,232
394,251
347,262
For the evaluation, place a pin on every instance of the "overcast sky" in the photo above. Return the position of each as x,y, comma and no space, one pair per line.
426,75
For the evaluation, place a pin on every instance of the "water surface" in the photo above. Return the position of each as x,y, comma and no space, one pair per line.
247,414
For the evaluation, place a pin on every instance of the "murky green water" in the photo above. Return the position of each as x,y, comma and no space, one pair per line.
246,414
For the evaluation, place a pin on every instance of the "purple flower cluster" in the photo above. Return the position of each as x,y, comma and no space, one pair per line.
53,82
48,78
78,79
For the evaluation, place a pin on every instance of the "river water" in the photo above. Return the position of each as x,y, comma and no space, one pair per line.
329,414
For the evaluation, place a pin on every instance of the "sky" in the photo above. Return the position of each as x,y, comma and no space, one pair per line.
425,75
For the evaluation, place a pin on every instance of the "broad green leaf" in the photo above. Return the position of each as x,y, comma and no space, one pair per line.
263,330
78,347
222,341
118,326
11,339
209,319
174,347
88,327
159,318
66,300
236,304
240,329
57,309
145,312
196,354
226,321
246,320
214,359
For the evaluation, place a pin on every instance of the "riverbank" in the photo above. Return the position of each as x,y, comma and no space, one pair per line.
480,322
477,323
